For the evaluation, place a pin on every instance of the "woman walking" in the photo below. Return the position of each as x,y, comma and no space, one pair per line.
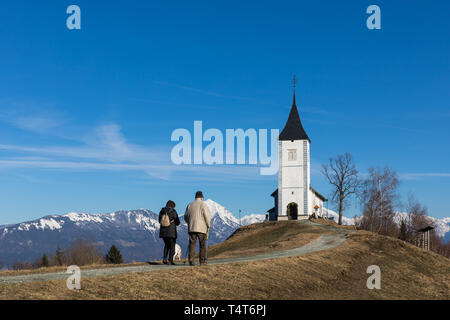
168,219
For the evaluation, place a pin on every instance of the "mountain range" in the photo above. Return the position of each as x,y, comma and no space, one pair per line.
442,225
134,232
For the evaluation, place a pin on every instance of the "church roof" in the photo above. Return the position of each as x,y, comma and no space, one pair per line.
318,194
275,193
427,228
293,130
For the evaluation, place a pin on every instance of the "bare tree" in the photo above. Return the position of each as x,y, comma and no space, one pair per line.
21,265
82,252
380,199
417,217
438,245
341,173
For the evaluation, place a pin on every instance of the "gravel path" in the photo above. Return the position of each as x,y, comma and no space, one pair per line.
324,242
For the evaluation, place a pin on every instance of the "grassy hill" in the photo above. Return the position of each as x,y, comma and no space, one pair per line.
407,272
265,237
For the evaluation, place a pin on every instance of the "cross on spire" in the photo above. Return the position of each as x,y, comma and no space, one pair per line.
293,130
294,81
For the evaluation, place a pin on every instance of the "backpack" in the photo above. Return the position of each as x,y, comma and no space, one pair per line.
165,220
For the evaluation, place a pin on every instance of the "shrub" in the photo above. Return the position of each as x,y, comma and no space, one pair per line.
21,265
114,256
82,252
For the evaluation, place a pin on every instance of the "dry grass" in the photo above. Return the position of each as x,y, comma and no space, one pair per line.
64,268
265,237
339,273
332,223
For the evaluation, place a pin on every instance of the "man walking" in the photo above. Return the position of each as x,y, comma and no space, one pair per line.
198,218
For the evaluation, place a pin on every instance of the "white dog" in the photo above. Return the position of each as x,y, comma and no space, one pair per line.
177,255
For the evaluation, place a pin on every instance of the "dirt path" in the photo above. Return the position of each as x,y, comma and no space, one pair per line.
324,242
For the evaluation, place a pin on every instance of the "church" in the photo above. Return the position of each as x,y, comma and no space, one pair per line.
295,199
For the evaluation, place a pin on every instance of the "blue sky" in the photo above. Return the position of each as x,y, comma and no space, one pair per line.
86,115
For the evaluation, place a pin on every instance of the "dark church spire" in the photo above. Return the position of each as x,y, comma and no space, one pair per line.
293,130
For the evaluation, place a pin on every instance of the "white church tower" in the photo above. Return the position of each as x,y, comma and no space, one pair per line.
295,199
294,169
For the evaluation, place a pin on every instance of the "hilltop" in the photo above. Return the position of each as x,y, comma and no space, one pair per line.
407,272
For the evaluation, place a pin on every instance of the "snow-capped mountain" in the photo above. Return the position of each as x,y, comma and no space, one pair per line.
331,214
442,225
252,218
134,232
223,220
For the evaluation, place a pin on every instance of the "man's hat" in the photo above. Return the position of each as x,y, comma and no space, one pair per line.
198,194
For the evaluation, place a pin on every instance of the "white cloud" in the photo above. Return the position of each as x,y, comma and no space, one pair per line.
204,92
108,149
418,176
36,124
30,116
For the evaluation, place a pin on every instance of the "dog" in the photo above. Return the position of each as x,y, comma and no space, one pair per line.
177,255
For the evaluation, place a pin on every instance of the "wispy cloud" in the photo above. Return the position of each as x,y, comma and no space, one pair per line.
160,171
105,143
176,104
31,116
419,176
214,94
31,179
36,123
201,91
106,148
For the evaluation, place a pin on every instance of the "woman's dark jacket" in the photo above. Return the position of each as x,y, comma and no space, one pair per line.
170,231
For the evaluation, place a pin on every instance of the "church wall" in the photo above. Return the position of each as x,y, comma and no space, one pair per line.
316,201
307,177
293,176
280,181
294,195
